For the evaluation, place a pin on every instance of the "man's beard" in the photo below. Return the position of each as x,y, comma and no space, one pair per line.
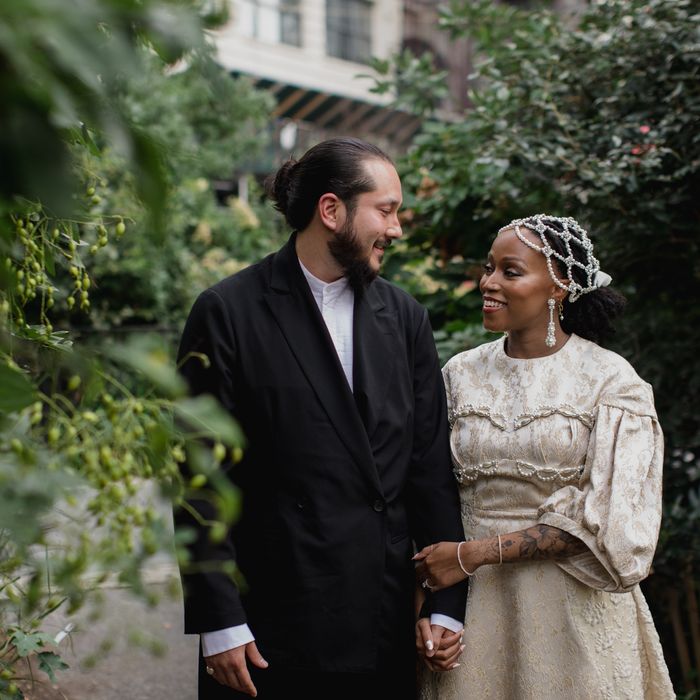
348,253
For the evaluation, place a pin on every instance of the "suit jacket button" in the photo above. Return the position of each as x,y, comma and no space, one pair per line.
378,505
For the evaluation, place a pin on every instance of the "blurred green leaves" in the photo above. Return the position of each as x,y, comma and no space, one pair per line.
16,391
60,65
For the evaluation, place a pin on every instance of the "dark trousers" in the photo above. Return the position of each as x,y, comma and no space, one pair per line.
392,682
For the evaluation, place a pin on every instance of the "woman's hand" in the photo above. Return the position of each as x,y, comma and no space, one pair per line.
438,567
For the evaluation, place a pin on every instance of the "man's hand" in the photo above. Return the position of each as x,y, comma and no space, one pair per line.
439,647
230,667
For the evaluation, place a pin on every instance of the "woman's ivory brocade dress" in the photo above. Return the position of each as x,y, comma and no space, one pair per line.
569,440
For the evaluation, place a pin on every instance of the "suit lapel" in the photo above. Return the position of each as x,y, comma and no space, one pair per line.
374,352
295,311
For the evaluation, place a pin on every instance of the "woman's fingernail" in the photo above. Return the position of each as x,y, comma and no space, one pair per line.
462,648
429,645
455,666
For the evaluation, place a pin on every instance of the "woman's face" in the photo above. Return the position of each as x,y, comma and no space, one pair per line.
516,285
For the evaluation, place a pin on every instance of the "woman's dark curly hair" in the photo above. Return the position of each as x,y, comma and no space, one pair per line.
592,315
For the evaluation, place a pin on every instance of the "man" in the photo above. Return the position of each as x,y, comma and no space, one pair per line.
332,374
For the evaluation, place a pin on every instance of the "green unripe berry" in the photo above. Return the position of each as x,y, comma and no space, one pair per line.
219,452
197,481
74,382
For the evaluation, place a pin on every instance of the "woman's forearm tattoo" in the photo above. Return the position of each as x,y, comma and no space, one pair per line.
544,542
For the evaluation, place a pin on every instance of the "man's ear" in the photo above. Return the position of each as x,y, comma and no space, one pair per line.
331,211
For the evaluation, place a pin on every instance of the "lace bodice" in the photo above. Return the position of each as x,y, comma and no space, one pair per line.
571,439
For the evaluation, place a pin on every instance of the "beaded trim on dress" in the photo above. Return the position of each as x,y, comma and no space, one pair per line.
499,420
525,469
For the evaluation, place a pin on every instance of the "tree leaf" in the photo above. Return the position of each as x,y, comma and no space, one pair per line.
26,644
206,416
16,391
50,662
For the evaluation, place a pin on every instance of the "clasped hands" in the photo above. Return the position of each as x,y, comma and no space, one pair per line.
437,567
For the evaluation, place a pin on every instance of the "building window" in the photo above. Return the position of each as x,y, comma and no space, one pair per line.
349,29
275,21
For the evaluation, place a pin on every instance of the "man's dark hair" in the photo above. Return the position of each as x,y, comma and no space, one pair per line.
335,166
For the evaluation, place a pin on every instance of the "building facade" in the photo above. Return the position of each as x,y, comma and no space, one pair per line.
310,55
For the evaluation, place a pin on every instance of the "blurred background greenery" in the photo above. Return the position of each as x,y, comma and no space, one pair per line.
116,124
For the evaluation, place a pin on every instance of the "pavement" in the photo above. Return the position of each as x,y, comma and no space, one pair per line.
125,650
122,648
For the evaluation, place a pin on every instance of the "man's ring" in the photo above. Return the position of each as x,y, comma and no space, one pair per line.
210,670
426,585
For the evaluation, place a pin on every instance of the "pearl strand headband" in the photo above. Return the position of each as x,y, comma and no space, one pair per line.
571,231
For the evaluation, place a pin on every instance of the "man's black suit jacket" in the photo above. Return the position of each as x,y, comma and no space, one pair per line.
336,486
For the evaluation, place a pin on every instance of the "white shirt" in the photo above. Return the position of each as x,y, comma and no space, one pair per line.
336,302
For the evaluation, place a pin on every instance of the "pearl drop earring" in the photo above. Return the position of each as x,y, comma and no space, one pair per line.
550,341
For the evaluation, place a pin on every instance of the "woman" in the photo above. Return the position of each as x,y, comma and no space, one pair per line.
558,452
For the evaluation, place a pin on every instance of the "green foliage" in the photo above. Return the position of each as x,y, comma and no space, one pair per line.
213,123
60,65
84,428
413,81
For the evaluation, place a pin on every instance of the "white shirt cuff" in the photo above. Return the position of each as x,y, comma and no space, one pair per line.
448,622
223,640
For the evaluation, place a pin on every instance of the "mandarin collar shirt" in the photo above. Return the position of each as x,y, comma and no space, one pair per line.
336,302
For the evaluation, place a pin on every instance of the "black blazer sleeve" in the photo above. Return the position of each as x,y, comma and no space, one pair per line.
212,601
433,492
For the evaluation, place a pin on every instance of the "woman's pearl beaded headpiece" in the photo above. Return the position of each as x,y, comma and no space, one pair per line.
571,233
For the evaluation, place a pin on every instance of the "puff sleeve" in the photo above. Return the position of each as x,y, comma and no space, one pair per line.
616,507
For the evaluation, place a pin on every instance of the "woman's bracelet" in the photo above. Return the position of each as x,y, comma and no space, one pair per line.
500,551
459,561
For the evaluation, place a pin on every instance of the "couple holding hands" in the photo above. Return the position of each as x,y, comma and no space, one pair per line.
476,531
